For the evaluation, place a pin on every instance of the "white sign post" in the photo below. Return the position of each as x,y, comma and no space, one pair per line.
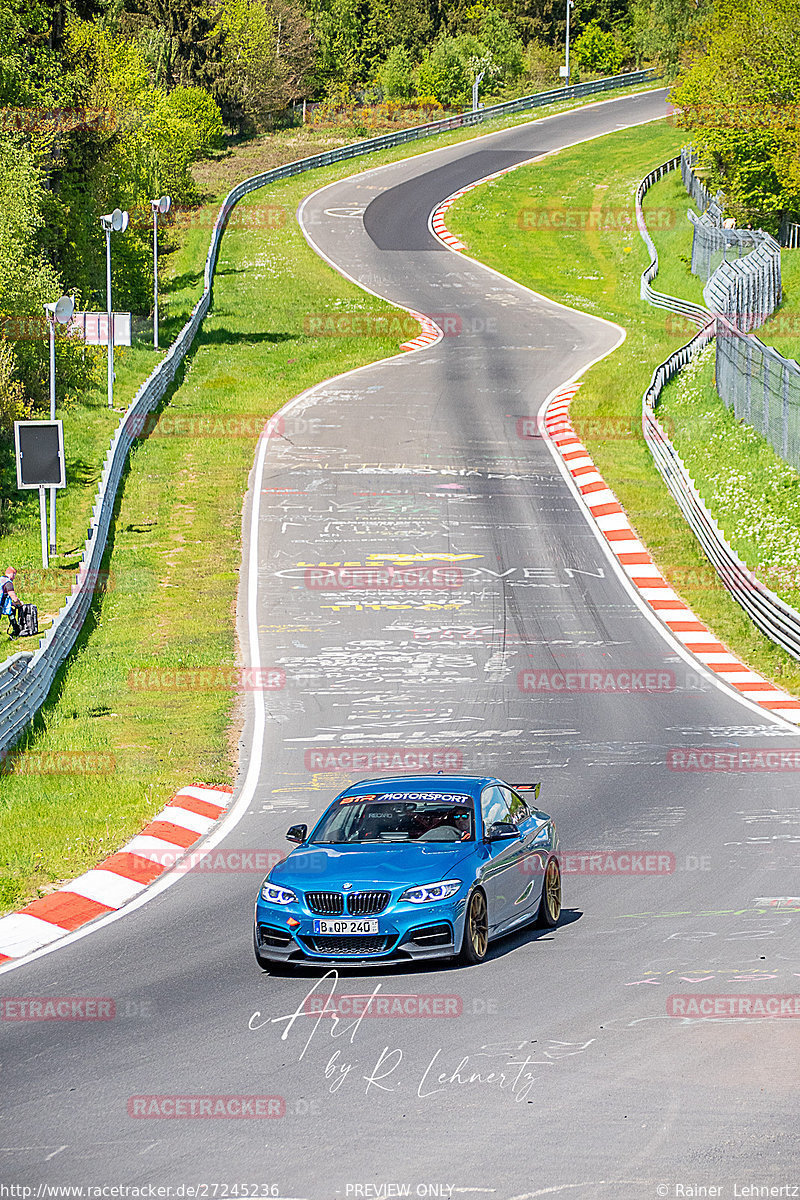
61,311
160,206
115,222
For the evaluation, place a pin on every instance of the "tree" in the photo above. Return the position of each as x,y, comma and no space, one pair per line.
738,97
661,28
189,27
27,281
266,56
540,66
444,73
395,75
501,42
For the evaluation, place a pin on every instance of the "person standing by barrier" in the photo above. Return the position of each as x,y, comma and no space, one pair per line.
10,603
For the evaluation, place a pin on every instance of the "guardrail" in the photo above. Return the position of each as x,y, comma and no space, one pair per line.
695,312
778,620
26,678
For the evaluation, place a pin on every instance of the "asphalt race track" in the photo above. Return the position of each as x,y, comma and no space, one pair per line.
556,1067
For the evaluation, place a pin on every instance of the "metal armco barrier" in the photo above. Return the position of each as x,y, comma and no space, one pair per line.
778,620
26,678
695,312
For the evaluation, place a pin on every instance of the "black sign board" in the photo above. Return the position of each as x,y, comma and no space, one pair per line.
40,454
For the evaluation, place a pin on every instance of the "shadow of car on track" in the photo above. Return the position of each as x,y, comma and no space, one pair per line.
503,946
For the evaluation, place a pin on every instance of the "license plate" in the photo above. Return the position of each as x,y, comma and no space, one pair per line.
344,926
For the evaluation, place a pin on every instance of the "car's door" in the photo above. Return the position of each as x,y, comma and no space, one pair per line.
532,857
503,879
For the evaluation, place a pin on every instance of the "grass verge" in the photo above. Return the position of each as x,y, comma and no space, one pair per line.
600,258
127,722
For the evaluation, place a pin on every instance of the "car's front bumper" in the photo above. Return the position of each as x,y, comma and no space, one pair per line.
402,936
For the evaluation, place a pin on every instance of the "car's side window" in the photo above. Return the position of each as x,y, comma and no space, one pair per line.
516,806
494,806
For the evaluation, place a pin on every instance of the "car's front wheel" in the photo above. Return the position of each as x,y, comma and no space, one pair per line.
475,942
550,903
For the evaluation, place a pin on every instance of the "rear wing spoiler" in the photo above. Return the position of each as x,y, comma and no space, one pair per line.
528,787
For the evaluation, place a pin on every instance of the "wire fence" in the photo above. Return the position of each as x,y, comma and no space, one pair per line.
702,197
761,386
712,245
747,291
789,236
773,616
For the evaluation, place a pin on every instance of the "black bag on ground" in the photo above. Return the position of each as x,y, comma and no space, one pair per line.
28,618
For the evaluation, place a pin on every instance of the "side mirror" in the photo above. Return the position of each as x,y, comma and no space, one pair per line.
501,831
297,833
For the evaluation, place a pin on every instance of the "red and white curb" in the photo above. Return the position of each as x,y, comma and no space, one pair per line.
436,221
637,564
438,226
186,818
430,333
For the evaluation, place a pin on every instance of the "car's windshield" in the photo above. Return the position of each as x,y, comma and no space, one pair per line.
398,817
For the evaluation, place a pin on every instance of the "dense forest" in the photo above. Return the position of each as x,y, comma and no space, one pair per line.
110,102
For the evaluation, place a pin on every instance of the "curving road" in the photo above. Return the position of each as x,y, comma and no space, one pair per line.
555,1068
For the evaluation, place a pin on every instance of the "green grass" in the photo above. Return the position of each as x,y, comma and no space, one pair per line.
782,329
595,266
750,490
175,546
89,425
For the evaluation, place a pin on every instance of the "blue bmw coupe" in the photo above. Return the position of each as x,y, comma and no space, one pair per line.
428,866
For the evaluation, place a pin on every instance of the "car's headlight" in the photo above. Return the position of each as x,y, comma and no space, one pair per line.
428,892
277,895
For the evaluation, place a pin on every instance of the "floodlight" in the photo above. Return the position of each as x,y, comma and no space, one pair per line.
63,310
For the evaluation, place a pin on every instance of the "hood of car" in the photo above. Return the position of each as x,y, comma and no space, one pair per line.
329,868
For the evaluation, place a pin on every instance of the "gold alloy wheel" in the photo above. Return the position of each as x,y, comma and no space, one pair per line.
552,887
478,924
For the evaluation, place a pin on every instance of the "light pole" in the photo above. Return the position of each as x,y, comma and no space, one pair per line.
116,222
569,5
475,87
161,206
61,312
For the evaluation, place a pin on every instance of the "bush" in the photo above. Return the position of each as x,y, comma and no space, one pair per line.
598,51
13,404
200,118
540,67
444,73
